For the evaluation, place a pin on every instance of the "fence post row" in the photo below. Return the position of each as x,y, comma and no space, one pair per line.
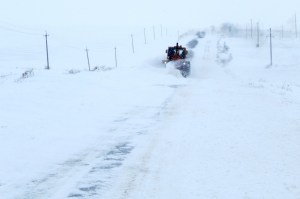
163,30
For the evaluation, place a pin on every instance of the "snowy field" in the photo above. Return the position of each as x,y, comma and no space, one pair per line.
230,130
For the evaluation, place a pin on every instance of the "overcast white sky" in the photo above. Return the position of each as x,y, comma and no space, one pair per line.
182,13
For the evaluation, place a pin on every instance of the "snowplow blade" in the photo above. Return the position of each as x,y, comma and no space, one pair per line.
165,61
184,67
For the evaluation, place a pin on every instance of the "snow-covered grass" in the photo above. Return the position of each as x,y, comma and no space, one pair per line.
231,130
54,115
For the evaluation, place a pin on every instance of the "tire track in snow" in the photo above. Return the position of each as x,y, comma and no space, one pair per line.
136,175
91,173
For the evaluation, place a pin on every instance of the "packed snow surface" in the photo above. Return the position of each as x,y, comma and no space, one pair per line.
230,130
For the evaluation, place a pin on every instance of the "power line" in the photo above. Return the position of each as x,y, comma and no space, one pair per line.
20,26
59,40
18,31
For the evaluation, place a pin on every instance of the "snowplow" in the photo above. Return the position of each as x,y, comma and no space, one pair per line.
177,54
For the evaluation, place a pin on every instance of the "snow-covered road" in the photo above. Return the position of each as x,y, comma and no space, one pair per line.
228,141
231,130
222,136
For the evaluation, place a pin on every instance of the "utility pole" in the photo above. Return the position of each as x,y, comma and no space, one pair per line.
132,43
153,32
271,52
161,30
46,37
116,60
251,29
257,45
88,58
296,28
145,36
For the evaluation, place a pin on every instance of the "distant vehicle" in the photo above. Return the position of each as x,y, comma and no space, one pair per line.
200,34
177,54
